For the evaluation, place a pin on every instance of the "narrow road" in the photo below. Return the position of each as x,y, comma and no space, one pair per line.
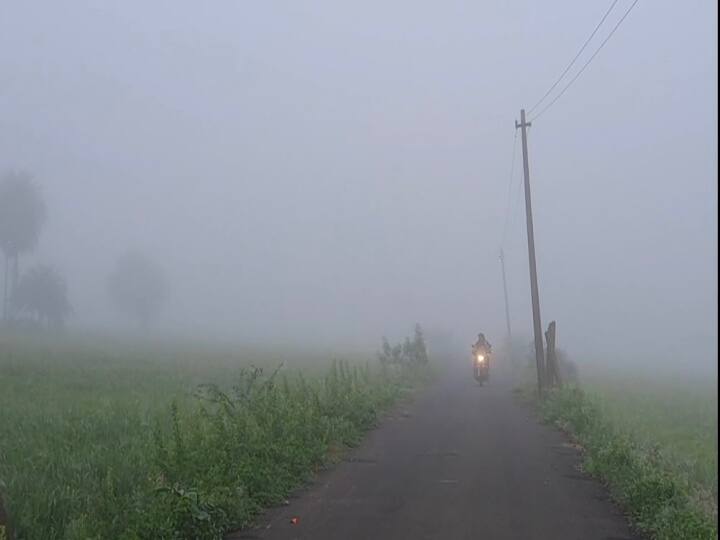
460,462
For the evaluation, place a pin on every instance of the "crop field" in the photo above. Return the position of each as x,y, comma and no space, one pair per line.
654,440
102,439
677,419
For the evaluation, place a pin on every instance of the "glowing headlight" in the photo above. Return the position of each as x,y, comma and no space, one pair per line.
480,358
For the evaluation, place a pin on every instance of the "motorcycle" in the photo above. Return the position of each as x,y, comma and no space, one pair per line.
481,366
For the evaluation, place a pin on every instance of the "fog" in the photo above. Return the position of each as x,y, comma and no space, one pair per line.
332,172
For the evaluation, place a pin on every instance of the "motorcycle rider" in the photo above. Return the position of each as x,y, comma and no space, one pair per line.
482,344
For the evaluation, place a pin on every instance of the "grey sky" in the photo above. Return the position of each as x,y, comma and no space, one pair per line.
340,169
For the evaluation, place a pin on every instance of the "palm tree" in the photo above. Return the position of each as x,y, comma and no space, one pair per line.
138,287
41,294
22,215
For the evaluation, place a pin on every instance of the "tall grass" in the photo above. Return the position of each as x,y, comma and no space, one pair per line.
116,443
654,449
678,420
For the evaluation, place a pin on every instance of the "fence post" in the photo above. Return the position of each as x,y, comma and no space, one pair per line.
553,375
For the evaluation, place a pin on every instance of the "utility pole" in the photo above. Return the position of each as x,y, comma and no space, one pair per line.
6,277
537,325
507,306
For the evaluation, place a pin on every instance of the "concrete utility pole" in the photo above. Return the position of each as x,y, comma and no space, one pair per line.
507,306
537,325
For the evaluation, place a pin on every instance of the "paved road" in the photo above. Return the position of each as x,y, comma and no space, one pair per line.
459,462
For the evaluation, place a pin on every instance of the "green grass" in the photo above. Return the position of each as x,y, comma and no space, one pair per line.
654,443
679,421
110,440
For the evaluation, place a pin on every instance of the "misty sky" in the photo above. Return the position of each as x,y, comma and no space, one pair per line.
339,170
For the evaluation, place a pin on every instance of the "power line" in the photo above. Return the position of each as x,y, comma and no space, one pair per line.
516,203
511,221
510,182
587,41
568,85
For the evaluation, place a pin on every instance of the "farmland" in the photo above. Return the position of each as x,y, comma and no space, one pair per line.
653,440
109,439
677,419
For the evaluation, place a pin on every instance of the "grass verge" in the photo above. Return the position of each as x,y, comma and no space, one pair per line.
659,501
102,443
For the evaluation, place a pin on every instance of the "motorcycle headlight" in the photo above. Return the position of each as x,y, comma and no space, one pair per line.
480,358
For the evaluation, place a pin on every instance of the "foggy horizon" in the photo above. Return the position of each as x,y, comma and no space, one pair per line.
332,174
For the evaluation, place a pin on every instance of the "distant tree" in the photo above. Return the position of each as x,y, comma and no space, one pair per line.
409,352
396,354
22,216
41,294
391,354
385,354
419,347
138,288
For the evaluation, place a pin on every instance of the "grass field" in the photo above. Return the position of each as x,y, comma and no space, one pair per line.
102,439
678,420
654,442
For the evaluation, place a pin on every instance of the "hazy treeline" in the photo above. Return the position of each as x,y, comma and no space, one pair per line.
37,296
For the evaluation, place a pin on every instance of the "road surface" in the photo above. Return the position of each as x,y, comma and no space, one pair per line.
458,462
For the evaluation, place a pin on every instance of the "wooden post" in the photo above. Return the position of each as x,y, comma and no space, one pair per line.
553,370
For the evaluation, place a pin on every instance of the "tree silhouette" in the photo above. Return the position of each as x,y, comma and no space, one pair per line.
409,352
419,347
138,287
22,216
41,294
